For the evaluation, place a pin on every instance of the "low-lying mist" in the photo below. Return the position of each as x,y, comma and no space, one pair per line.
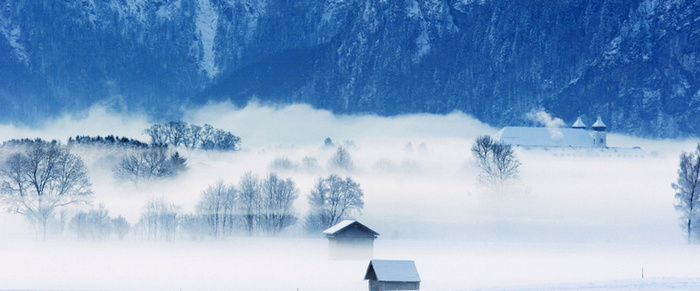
420,193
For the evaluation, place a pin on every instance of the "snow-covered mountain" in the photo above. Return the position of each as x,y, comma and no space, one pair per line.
635,62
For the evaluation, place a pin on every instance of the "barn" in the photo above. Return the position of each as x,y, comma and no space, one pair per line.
392,275
350,239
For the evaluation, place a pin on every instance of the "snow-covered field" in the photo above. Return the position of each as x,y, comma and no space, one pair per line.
301,263
572,222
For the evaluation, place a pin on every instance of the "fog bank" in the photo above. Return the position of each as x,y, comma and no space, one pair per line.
609,215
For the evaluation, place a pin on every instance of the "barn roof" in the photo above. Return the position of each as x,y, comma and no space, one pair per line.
545,137
345,224
392,271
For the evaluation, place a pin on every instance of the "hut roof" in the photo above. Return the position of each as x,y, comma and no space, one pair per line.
392,271
345,224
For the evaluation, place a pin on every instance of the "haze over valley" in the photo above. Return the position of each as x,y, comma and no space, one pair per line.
568,218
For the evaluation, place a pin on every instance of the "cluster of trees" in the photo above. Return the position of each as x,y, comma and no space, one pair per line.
340,161
497,162
159,219
107,140
255,206
149,164
191,136
40,178
96,224
687,189
216,211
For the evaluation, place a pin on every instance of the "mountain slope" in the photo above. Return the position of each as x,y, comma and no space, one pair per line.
634,62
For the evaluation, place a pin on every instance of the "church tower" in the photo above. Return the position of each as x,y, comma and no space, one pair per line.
599,135
579,124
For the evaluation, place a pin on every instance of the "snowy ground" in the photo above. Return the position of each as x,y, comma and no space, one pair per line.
573,222
298,263
657,284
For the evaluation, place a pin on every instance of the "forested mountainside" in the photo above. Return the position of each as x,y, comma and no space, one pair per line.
636,63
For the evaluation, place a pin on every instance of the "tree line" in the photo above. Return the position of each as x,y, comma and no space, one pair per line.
191,136
173,133
254,206
23,142
107,140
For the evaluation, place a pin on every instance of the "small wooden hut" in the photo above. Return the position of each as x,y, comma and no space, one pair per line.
350,239
392,275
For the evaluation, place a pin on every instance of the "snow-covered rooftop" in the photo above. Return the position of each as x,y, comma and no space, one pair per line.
392,271
579,124
545,137
343,224
339,226
599,123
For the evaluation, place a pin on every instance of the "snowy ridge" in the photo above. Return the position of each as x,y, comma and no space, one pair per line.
423,39
13,34
330,10
380,57
130,8
166,12
254,9
207,20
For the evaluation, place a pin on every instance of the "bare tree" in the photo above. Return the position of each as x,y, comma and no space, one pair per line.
283,164
341,160
217,208
177,132
226,141
121,227
278,203
250,201
497,162
79,224
157,163
158,133
206,140
129,168
43,178
159,219
94,224
149,164
687,190
332,200
194,135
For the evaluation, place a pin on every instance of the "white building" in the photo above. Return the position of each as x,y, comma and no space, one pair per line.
575,137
